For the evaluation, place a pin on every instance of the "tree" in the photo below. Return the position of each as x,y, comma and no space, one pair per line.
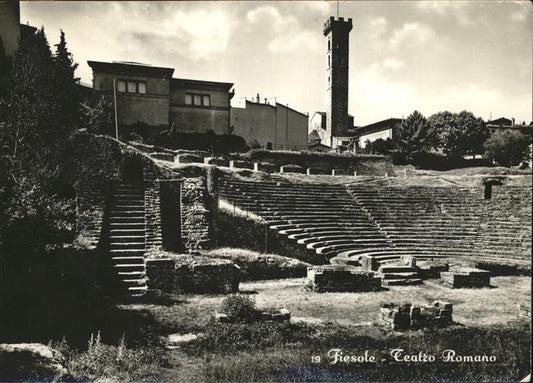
33,150
508,147
380,146
413,135
66,86
28,106
457,134
98,119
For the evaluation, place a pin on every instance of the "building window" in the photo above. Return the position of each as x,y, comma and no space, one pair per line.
329,44
329,60
121,86
198,99
132,87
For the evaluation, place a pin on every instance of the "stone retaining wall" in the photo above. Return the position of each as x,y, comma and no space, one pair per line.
363,164
167,275
333,278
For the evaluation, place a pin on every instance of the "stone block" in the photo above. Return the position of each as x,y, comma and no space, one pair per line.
369,263
311,171
217,161
241,164
188,159
445,313
415,313
222,318
265,167
163,156
291,168
443,305
409,260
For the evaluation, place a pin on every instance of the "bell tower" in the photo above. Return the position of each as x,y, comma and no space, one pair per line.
337,35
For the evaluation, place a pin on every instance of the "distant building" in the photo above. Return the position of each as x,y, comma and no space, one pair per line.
317,125
314,142
149,96
382,129
270,126
503,123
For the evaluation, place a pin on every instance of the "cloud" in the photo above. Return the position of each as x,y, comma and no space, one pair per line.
411,34
192,33
374,91
286,32
454,9
393,63
518,16
304,40
378,26
268,15
319,6
479,99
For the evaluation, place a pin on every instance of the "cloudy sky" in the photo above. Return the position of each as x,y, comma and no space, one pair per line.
404,56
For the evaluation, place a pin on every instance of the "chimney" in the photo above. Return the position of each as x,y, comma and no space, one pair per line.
512,119
258,99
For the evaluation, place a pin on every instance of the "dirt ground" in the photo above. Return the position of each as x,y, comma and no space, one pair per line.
486,306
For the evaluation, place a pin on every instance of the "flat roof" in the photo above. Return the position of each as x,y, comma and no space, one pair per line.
202,85
123,67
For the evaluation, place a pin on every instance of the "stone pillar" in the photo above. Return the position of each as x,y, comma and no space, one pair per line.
152,213
195,217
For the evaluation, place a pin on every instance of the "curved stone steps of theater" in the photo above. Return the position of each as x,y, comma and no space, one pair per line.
334,235
311,203
301,232
332,250
305,207
395,253
424,235
288,192
275,186
293,193
334,243
318,217
275,210
295,223
302,201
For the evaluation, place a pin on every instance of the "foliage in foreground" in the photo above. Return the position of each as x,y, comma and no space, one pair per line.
282,352
109,361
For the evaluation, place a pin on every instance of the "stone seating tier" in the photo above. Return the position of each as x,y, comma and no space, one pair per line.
381,220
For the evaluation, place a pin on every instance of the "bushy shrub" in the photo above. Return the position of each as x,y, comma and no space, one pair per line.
239,307
231,337
108,361
209,141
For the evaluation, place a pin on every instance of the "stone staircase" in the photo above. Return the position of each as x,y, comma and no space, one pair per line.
399,275
125,271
